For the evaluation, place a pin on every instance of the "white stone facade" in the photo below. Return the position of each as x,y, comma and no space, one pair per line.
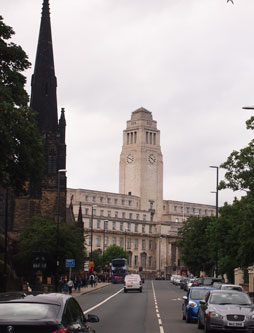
137,219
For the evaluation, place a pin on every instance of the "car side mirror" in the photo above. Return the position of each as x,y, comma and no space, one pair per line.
92,318
185,298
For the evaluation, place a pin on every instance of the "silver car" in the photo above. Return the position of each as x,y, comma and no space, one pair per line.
226,310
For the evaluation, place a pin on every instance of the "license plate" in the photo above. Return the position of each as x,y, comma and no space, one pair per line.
235,324
129,286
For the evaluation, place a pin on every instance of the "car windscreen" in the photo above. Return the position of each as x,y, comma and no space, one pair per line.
198,294
118,263
232,288
230,298
28,311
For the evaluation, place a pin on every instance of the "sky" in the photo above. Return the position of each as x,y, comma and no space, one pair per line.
189,62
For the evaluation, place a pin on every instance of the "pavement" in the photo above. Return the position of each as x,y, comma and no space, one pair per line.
89,289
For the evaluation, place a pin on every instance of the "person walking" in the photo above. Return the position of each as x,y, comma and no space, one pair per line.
70,285
92,280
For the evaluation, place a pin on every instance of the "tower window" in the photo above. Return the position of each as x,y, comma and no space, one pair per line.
154,138
135,137
147,137
151,138
128,138
131,137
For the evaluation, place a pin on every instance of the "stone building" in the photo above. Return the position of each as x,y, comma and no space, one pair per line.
137,218
49,198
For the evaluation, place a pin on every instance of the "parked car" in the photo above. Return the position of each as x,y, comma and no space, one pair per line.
191,302
132,282
208,281
231,287
226,310
42,313
183,282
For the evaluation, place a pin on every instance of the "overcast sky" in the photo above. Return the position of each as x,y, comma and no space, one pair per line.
189,62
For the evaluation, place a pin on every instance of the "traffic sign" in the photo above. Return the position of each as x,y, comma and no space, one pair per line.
69,262
91,264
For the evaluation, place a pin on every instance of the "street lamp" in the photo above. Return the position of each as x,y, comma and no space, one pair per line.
91,254
160,256
104,230
217,213
217,190
57,223
125,234
251,107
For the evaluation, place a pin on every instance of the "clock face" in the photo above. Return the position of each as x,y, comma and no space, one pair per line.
151,159
130,158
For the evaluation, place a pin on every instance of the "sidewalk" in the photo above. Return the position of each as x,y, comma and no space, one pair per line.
88,289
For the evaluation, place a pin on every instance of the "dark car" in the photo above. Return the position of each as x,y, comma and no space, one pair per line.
226,310
42,313
191,302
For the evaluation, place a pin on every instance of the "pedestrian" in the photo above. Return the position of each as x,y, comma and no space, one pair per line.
70,285
60,285
65,287
92,280
78,284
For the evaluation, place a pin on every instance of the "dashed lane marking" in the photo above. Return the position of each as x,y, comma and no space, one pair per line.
157,311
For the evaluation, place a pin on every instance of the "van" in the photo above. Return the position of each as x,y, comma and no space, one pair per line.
132,282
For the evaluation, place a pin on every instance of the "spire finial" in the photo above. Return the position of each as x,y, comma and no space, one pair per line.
45,9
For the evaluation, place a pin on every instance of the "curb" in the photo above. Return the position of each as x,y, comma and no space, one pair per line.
89,290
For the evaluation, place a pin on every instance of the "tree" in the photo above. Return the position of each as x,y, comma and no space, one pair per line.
240,167
21,149
193,244
40,235
113,252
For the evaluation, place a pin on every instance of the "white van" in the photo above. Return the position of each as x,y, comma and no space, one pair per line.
132,282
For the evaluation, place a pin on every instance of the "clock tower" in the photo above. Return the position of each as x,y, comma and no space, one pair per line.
141,164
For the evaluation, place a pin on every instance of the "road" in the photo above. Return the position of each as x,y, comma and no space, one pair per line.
156,310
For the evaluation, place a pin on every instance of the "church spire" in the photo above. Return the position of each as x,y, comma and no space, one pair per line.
43,95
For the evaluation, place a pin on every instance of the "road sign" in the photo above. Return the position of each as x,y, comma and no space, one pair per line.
86,266
69,262
91,264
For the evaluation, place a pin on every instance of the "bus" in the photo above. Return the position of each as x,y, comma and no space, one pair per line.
119,270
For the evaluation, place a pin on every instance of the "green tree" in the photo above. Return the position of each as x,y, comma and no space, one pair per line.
113,252
40,235
239,167
21,149
193,244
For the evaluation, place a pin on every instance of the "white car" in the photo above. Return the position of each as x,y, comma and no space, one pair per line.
230,287
132,282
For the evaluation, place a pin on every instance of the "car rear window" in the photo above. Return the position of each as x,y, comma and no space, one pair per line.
28,311
198,294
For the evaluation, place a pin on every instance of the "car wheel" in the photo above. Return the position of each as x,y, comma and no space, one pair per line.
140,290
188,320
184,316
125,290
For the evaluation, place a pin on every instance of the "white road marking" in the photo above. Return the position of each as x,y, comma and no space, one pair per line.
105,300
157,311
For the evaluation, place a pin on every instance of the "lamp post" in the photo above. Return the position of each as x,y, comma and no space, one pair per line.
5,275
217,213
91,254
160,256
125,234
57,224
104,230
217,191
251,107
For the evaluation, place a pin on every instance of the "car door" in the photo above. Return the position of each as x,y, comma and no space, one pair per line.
73,317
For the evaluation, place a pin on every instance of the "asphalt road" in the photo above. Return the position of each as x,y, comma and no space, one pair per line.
156,310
